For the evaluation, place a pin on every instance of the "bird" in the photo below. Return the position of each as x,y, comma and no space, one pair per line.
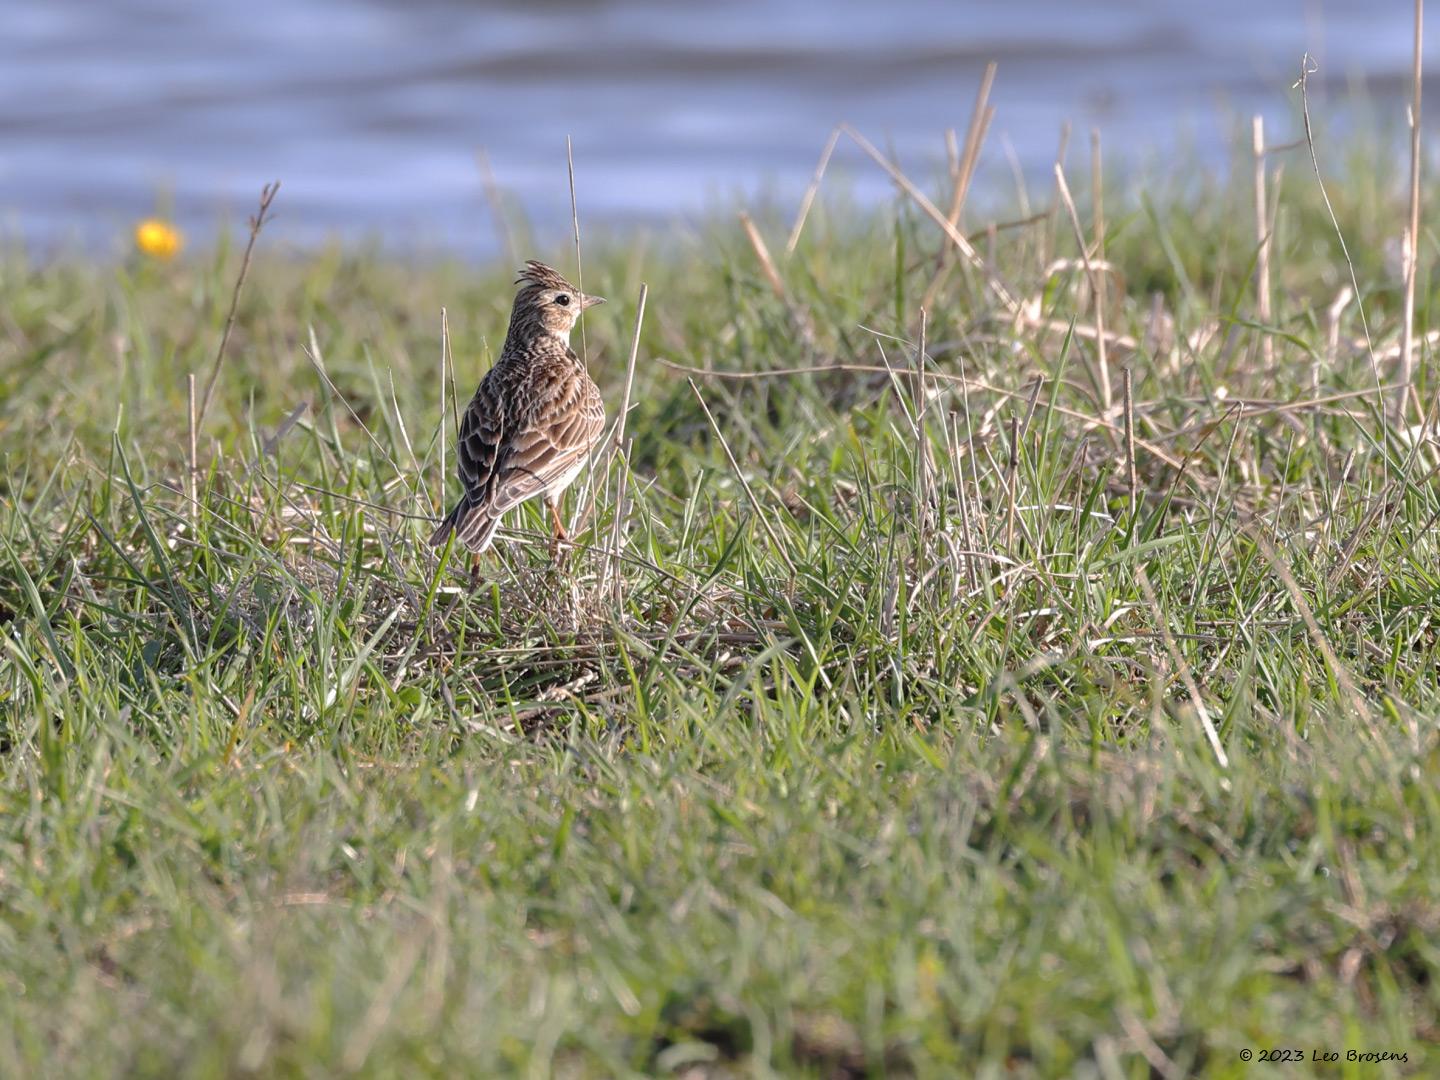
534,419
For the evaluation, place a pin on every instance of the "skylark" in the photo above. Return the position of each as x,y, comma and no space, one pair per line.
535,418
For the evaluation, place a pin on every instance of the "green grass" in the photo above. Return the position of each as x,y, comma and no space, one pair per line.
865,768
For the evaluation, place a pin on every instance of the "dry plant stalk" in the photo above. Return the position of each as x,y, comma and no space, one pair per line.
579,269
1012,472
980,118
1308,68
1097,186
922,449
762,253
617,529
1131,475
810,192
798,315
1262,241
1412,232
496,202
630,365
1343,678
959,239
1332,334
621,447
444,342
194,455
739,475
965,384
1045,250
447,359
1106,397
963,172
257,222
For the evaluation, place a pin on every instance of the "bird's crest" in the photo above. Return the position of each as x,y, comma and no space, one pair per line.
547,277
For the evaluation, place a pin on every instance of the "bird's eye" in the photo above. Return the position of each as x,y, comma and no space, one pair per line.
563,300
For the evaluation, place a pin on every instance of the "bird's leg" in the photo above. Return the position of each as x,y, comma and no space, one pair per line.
560,533
474,571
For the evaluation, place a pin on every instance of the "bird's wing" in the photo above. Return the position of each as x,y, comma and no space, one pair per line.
562,427
517,440
482,434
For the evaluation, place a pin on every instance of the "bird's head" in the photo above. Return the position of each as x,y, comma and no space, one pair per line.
548,304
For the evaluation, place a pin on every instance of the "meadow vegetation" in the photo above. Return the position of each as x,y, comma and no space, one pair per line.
915,700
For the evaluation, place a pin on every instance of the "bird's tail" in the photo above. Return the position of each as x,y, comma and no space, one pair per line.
471,524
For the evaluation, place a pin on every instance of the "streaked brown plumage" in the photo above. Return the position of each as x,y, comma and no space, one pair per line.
534,419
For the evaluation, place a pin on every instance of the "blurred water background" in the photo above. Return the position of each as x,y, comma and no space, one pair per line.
374,113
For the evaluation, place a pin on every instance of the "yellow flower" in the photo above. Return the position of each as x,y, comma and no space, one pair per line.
158,238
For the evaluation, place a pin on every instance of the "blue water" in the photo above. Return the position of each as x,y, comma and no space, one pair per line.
373,112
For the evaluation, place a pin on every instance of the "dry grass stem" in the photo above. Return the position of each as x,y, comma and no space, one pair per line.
1308,68
579,265
923,466
495,199
257,222
1097,187
808,199
981,117
1342,675
1045,250
755,506
1262,242
192,445
1106,397
621,447
1412,230
1012,482
1115,430
801,318
963,173
630,365
1130,475
444,439
960,240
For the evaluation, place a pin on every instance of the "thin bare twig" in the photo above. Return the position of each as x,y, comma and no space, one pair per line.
619,446
961,381
963,171
810,192
257,222
1106,399
980,118
579,269
1412,231
317,361
739,475
803,324
194,456
1262,241
1130,446
630,364
1308,68
1342,675
1012,480
922,449
920,199
1046,250
496,202
1097,187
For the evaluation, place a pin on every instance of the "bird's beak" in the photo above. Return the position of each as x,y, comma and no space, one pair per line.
590,301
